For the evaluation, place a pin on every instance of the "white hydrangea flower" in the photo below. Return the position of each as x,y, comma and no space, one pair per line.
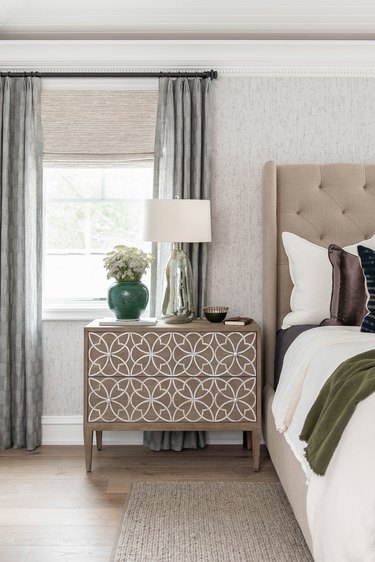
125,263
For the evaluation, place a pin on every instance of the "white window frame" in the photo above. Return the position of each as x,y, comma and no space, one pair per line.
78,309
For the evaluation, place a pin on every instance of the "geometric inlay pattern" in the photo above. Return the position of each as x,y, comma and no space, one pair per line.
171,376
181,399
172,354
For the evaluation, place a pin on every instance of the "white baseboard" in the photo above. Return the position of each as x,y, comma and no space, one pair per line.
67,430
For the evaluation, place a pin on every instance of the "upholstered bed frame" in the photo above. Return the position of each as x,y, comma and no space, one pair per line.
331,203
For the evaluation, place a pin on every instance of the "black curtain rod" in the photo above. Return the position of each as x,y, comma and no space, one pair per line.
203,74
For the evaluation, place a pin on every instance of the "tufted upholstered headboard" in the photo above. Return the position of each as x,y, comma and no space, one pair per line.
331,203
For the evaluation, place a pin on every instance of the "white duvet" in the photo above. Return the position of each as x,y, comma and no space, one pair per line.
340,504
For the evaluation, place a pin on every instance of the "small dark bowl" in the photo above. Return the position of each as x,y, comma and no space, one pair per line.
215,314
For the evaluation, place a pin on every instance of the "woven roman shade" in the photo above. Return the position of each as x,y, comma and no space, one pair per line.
86,126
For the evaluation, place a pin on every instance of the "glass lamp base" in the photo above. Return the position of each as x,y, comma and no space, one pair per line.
178,302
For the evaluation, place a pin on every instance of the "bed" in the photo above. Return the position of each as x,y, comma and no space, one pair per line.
324,204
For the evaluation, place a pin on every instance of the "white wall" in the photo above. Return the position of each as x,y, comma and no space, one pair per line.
255,119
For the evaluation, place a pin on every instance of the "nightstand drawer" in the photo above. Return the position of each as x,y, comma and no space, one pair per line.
172,354
172,399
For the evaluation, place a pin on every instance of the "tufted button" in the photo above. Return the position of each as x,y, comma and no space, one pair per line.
298,212
343,212
320,186
364,187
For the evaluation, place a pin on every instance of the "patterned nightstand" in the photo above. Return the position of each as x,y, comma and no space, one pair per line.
197,376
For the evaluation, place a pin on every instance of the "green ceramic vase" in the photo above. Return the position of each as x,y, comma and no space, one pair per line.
128,299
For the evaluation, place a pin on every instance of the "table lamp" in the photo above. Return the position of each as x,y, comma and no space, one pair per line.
177,221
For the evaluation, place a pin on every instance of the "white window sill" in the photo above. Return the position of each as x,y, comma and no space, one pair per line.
77,311
71,311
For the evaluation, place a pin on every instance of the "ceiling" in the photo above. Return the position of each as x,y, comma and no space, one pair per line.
174,19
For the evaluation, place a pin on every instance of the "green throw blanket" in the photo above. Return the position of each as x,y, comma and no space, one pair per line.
351,382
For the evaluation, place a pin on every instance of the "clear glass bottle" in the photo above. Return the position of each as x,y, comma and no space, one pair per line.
178,302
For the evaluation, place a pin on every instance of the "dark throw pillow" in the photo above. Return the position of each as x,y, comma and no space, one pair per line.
367,258
348,298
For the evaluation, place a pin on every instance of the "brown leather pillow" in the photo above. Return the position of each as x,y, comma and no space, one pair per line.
349,297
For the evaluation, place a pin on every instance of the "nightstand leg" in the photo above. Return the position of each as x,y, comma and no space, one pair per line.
255,438
87,435
99,440
246,440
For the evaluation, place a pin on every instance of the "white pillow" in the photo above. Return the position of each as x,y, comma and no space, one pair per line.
370,243
311,273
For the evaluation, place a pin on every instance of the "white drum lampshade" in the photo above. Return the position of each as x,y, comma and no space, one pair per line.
177,221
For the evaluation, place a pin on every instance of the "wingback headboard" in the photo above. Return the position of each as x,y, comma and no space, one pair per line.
330,203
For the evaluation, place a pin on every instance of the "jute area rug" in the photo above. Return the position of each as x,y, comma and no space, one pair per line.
209,522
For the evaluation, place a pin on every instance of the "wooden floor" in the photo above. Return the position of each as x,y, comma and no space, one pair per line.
50,509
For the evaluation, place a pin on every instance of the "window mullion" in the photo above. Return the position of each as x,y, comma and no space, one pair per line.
88,209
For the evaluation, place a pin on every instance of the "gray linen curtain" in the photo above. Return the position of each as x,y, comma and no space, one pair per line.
181,167
21,207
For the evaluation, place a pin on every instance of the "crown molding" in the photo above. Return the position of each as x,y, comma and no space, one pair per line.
7,8
239,57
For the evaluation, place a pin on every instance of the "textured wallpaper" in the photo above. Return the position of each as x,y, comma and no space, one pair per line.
291,121
287,119
63,368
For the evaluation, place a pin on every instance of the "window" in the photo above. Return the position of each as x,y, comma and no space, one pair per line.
98,155
87,212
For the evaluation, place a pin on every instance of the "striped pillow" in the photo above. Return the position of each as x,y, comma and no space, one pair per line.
367,258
